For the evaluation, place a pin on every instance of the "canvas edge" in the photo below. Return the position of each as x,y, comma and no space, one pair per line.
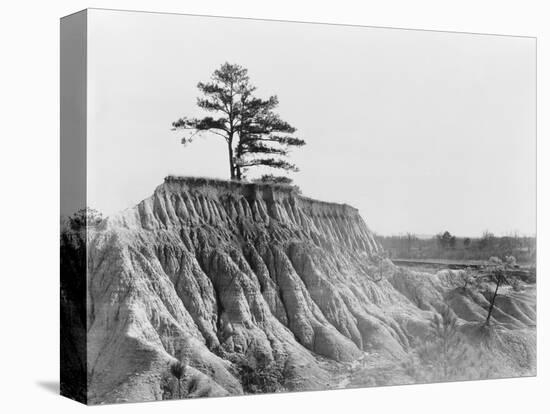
73,197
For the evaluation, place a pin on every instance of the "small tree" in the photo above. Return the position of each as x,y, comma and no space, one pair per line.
487,241
381,265
468,278
446,350
452,242
86,217
178,370
255,135
498,276
411,239
446,240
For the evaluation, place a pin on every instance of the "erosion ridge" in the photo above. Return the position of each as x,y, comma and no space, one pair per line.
221,202
212,271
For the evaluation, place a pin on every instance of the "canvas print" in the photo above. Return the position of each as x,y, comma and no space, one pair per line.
253,206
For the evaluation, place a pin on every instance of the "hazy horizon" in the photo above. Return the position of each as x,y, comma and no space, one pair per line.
421,131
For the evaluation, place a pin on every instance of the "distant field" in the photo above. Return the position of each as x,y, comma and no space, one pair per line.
525,272
446,249
450,263
443,262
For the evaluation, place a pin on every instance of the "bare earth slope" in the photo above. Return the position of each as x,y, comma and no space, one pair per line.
213,270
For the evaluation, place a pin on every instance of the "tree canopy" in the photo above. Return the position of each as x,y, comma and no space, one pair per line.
255,135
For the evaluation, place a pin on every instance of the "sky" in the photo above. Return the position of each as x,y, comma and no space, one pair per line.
421,131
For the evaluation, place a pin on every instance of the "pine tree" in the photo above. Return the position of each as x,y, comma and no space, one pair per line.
446,351
445,333
255,135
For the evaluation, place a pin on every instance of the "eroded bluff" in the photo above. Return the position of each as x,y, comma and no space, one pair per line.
211,271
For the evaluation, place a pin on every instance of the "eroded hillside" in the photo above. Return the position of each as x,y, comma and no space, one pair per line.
216,273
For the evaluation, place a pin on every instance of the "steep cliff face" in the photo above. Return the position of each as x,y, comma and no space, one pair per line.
212,270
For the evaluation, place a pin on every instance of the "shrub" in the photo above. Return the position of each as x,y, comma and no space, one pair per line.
275,179
260,375
83,218
171,380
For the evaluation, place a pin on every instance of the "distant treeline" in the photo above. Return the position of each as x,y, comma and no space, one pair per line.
446,246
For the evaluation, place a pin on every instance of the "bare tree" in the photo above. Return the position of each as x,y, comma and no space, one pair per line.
498,275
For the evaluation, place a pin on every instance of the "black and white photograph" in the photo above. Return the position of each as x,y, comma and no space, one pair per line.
291,207
326,207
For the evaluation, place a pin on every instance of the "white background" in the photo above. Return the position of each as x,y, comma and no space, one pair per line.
29,85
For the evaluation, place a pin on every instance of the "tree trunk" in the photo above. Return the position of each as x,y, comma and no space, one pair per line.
231,163
179,388
238,153
493,301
